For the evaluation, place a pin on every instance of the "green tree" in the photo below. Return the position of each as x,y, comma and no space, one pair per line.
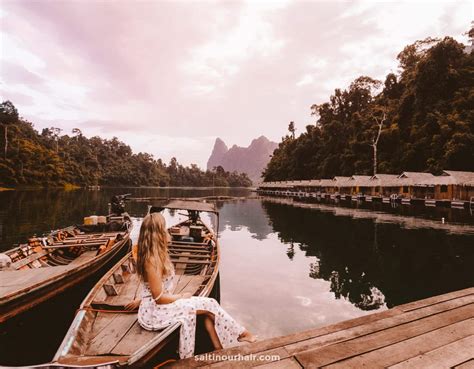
8,116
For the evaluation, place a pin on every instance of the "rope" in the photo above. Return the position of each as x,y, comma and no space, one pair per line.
107,311
164,363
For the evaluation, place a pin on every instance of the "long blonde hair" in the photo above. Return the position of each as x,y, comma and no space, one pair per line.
153,245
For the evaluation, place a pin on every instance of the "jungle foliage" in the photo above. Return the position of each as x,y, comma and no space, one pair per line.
424,114
30,158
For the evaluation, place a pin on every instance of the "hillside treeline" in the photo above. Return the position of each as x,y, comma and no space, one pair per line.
50,158
420,119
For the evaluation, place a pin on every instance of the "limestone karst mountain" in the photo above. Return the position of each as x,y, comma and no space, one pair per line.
251,160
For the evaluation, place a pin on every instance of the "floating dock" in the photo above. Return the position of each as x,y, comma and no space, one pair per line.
437,332
318,196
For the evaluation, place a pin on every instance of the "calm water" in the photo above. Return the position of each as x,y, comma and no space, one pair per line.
285,267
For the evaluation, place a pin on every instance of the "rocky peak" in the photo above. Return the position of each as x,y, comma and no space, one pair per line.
251,160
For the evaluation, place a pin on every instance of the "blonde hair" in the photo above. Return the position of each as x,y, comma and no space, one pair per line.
153,245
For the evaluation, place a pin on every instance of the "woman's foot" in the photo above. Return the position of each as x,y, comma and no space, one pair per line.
246,336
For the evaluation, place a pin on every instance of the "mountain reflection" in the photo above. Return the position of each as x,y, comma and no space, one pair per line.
247,213
369,263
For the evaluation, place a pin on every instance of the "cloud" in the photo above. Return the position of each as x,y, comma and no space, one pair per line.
220,58
171,76
17,74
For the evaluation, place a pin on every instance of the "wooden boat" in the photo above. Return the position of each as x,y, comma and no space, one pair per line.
44,267
103,333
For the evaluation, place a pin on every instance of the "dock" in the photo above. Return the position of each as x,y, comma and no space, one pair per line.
436,332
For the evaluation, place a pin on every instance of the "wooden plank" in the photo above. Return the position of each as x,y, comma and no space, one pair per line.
84,257
187,261
443,357
466,365
411,347
189,245
101,321
251,360
134,339
110,335
435,299
378,325
75,245
91,361
110,289
118,278
187,250
127,292
181,267
194,284
291,338
14,281
183,282
191,257
323,356
25,261
288,363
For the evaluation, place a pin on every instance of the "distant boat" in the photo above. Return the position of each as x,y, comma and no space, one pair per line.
34,272
104,334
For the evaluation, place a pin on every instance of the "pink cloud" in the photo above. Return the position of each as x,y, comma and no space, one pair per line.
201,69
16,74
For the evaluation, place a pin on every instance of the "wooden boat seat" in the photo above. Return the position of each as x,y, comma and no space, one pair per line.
25,261
187,261
197,251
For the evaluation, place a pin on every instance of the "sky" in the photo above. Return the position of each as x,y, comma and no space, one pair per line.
168,77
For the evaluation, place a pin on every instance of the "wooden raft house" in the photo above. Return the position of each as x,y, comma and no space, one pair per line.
451,188
433,333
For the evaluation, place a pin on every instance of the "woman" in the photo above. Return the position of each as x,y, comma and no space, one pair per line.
160,308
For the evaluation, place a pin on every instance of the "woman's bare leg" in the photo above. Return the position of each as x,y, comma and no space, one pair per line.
211,329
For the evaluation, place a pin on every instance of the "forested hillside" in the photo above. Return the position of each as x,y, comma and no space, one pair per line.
420,119
28,157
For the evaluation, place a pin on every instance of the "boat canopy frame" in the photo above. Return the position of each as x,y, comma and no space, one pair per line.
191,205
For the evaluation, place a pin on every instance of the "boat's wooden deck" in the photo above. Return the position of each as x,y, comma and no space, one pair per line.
14,281
120,333
437,332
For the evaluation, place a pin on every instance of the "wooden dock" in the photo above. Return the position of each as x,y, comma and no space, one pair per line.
437,332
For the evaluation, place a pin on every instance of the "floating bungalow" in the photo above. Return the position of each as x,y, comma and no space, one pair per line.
358,185
386,185
451,188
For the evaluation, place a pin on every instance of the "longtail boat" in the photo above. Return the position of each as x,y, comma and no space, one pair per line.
34,272
105,334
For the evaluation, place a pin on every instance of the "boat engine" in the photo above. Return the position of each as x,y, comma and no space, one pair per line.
117,204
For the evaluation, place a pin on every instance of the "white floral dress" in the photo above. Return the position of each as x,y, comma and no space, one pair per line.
153,316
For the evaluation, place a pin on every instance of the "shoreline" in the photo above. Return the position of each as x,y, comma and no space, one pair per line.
69,187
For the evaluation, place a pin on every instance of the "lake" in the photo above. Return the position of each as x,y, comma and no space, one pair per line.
285,266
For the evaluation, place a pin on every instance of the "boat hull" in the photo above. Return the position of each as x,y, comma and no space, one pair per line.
51,287
93,341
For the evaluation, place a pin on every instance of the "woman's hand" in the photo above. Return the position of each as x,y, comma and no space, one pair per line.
133,305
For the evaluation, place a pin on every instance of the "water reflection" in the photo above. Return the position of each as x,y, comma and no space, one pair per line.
24,213
284,267
245,213
371,263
